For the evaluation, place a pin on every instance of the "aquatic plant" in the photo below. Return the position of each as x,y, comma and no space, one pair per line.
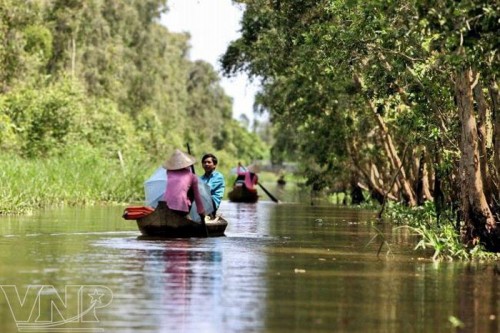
442,236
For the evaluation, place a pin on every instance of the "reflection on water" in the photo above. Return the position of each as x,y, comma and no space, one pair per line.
178,283
280,268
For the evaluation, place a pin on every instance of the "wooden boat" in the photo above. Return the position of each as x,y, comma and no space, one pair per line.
241,193
163,222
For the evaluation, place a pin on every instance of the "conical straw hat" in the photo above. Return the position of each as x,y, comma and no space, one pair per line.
179,160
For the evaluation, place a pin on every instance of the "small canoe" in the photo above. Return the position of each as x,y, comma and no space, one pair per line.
243,194
163,222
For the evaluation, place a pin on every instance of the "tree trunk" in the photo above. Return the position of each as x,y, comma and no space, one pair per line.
439,199
483,127
479,223
357,197
423,193
390,148
368,171
495,118
394,158
427,177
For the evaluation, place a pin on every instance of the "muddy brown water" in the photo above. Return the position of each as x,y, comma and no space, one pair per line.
285,267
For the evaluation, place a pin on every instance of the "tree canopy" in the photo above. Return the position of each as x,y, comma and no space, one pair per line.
107,74
397,97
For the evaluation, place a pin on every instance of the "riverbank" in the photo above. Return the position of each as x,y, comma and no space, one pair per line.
439,234
86,177
79,177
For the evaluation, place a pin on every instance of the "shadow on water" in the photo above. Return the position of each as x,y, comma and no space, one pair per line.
280,268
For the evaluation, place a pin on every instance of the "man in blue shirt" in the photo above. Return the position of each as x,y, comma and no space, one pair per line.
213,178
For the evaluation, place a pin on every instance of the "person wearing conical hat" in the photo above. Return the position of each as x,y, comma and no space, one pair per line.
247,176
180,180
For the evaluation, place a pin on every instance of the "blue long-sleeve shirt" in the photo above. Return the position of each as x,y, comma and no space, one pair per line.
217,186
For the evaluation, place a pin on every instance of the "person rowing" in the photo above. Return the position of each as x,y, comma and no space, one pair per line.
246,176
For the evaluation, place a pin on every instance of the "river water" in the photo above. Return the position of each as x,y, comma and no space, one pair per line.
280,268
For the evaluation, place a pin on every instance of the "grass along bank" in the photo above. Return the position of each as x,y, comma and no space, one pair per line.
86,176
79,177
442,237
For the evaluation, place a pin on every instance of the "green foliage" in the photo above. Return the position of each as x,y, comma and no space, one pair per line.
104,127
301,87
9,141
442,238
455,322
119,55
42,123
43,118
69,179
208,104
238,142
444,241
362,83
22,40
38,41
85,84
149,132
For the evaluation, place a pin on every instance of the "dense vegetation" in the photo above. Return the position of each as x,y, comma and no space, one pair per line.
399,98
102,81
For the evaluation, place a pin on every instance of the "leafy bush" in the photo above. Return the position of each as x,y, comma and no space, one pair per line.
101,125
38,41
443,238
42,118
48,121
9,141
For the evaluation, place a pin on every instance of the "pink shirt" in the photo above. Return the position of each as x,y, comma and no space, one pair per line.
249,181
178,184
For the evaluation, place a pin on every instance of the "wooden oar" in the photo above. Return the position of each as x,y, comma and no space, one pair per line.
273,198
203,223
189,152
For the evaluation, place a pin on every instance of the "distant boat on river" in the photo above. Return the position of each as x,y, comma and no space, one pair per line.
240,193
